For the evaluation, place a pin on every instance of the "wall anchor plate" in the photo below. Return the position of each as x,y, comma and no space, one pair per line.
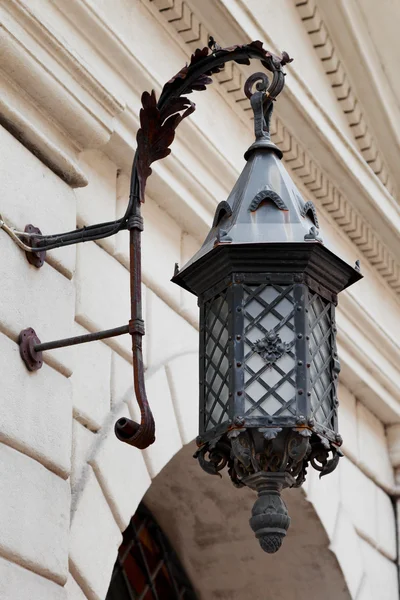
34,258
27,341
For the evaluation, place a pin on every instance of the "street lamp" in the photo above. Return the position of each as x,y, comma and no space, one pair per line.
267,290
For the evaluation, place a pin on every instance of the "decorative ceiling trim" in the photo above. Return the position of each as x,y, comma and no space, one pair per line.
344,91
51,101
179,15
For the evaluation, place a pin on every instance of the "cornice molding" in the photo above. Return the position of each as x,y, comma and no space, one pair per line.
180,17
369,359
53,103
344,91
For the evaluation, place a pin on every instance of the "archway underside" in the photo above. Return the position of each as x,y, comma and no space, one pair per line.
206,519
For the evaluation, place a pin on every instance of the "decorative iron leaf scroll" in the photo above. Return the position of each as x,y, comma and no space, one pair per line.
157,132
159,120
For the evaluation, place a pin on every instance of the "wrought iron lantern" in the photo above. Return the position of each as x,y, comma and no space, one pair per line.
267,288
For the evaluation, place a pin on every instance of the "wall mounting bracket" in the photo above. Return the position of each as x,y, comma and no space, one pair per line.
158,122
31,348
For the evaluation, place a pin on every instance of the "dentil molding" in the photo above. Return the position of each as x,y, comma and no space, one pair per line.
344,91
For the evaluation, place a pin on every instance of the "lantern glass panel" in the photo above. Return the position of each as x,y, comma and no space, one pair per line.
269,340
321,347
216,361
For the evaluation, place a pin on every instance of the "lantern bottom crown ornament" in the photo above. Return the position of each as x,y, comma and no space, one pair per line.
268,460
270,520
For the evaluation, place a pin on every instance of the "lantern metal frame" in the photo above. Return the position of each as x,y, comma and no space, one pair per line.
300,286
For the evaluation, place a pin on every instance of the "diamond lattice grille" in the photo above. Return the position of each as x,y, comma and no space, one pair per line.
269,382
321,361
216,364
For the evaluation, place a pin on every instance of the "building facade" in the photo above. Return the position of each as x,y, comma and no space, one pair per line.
71,78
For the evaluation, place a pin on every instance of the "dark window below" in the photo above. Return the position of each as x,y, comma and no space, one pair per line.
147,568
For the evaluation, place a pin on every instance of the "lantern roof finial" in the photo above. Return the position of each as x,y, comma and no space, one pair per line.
262,104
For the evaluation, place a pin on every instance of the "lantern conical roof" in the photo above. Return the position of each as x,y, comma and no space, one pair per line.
264,209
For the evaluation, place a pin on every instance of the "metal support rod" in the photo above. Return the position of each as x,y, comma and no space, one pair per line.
81,339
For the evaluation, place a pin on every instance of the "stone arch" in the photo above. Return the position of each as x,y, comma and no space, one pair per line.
113,477
204,517
208,521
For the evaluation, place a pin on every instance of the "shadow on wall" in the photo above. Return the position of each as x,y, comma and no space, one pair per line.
206,520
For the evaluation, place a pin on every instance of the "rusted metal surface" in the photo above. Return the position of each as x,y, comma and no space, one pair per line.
28,340
82,339
36,258
139,435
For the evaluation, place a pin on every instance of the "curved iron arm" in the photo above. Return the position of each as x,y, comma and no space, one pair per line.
158,122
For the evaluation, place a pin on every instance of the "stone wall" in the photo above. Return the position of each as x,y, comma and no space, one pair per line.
71,78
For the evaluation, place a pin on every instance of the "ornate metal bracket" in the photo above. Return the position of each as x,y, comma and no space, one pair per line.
34,258
158,122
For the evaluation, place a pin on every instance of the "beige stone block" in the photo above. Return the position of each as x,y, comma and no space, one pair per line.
381,573
39,298
73,590
34,516
96,203
346,546
94,541
189,307
161,240
121,380
365,592
348,422
168,334
393,439
168,439
83,441
32,193
386,528
102,293
121,471
122,384
161,249
359,497
91,381
324,494
22,584
373,448
183,378
34,419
